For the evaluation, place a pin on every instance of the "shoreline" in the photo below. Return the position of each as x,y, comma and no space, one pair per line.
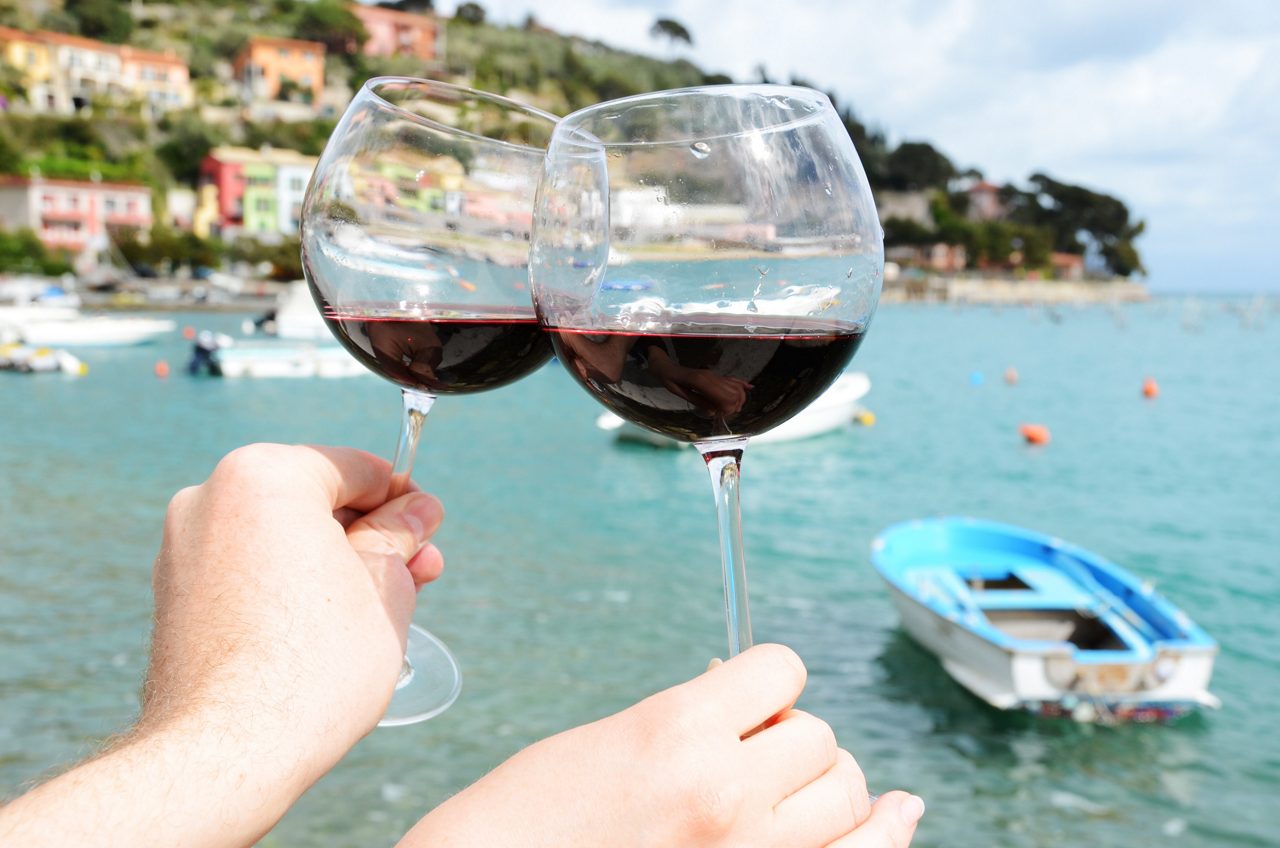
989,291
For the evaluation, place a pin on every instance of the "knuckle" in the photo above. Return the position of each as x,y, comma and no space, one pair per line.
785,662
250,462
820,736
710,807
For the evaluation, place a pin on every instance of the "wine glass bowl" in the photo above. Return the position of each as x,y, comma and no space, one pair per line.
706,262
733,222
415,232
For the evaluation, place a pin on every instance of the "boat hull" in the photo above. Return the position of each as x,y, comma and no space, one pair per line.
1143,661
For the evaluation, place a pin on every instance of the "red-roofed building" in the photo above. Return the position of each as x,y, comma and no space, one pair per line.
66,73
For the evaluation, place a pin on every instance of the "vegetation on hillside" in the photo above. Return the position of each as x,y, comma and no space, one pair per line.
529,62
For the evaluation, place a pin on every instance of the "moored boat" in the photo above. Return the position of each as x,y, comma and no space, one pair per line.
1026,621
839,406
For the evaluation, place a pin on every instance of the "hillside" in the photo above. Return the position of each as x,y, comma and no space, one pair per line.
1029,226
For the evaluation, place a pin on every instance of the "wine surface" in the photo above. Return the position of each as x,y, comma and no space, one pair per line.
443,354
708,378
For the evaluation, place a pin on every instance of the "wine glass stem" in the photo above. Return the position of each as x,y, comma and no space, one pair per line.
724,462
416,406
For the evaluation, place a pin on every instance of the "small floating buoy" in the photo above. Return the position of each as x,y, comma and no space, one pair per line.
866,418
468,285
189,333
1035,434
162,369
1011,375
976,378
1150,389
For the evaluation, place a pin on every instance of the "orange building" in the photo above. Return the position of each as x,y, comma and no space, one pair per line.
393,33
265,65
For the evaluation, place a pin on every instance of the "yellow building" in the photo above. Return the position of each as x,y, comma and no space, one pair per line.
32,57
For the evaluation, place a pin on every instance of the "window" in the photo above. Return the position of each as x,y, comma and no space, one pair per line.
110,205
73,202
296,184
131,207
284,54
262,204
47,202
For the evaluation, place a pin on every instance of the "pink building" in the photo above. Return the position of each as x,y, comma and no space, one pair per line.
72,215
393,33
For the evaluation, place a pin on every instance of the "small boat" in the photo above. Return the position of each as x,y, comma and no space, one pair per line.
39,360
839,406
1026,621
286,360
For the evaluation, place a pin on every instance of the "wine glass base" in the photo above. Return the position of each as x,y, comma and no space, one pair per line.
429,684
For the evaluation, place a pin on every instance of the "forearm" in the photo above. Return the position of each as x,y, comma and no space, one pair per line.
190,783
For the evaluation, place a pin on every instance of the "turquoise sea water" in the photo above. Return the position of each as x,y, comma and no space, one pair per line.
583,575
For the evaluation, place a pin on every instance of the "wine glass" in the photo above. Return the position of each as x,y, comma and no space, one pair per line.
706,262
415,233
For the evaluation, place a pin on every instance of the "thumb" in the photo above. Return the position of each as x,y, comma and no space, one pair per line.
892,823
389,537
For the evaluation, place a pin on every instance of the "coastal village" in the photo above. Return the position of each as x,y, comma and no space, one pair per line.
949,234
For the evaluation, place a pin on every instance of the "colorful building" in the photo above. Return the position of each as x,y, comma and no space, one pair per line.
267,67
162,81
66,73
251,192
393,33
72,215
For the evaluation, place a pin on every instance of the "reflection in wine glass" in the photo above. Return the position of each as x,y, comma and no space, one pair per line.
707,262
415,233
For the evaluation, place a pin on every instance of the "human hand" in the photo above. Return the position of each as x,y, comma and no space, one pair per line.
676,770
282,605
282,594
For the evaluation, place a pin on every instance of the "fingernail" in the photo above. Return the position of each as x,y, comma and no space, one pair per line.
715,661
911,810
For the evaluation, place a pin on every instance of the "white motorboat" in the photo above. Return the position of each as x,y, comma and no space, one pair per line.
839,406
90,331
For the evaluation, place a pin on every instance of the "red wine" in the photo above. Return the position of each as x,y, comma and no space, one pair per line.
442,354
706,378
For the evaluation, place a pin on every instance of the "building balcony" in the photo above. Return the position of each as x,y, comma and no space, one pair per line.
76,215
128,219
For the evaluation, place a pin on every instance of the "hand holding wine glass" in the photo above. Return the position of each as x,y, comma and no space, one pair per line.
706,262
415,236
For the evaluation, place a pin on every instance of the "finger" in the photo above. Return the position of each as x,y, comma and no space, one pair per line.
892,823
829,806
348,477
400,528
426,565
791,754
754,686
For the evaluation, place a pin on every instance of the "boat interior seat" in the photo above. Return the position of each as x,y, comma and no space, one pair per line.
1025,584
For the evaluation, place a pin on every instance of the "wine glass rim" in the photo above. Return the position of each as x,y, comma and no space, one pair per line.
372,85
571,124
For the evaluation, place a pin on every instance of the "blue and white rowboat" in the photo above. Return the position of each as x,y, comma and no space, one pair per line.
1026,621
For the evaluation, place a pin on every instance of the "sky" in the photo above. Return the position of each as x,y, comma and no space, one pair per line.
1171,105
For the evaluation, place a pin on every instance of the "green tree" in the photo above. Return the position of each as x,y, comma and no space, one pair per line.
470,13
917,165
1080,220
671,30
11,159
190,140
332,24
108,20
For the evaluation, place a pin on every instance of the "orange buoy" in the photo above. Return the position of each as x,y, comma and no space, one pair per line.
1035,434
1011,375
162,369
1150,389
189,333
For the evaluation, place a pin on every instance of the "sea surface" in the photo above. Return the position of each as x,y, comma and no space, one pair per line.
583,575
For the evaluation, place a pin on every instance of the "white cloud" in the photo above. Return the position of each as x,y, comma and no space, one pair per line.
1169,104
